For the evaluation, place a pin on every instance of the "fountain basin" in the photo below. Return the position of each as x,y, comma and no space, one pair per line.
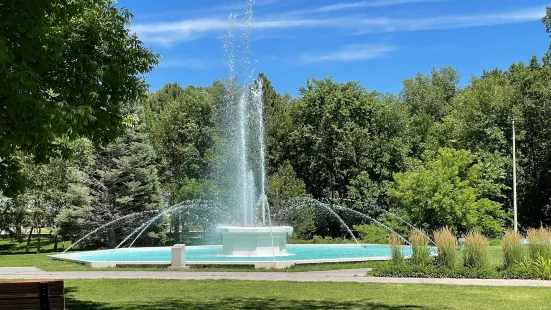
210,255
243,241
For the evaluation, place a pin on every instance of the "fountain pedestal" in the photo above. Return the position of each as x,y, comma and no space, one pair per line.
254,241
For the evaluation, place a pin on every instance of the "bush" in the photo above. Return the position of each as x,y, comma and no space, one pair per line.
477,251
513,250
420,247
395,243
432,271
540,267
447,247
372,233
520,271
319,240
539,243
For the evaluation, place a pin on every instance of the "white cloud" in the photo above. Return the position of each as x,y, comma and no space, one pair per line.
166,33
190,63
223,9
350,53
361,4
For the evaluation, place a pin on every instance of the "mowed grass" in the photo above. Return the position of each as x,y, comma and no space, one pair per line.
222,294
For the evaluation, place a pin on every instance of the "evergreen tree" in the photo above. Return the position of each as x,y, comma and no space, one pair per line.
126,180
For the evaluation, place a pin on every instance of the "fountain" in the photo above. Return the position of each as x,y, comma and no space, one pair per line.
244,219
245,132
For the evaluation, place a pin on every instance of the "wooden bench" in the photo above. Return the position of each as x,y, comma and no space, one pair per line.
32,294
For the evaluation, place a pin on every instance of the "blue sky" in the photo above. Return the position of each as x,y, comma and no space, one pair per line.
376,42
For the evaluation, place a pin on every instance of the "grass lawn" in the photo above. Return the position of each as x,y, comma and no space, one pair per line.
222,294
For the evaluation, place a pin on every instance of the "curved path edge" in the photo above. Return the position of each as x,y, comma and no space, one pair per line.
345,275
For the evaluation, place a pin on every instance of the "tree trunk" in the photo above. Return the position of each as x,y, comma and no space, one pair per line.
19,234
38,244
176,228
55,243
112,237
29,239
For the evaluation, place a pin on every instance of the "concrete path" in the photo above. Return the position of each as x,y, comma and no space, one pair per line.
348,275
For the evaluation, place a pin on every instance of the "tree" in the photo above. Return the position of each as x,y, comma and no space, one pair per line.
68,69
532,84
125,179
277,124
547,22
183,134
451,188
343,137
428,99
283,186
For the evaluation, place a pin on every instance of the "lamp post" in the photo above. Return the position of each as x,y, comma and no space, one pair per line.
514,180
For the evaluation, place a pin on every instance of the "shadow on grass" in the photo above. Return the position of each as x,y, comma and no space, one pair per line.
72,303
241,303
10,249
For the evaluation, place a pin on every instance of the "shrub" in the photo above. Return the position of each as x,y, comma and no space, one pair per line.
447,247
432,271
538,268
477,251
513,250
319,240
520,271
539,243
542,265
420,247
372,233
396,249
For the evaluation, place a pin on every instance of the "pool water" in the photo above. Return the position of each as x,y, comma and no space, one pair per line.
297,252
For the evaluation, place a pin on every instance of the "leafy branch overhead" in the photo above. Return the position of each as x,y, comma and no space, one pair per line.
67,74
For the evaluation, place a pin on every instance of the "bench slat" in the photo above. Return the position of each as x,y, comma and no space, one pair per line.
23,295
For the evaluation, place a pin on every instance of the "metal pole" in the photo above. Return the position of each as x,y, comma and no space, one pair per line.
514,180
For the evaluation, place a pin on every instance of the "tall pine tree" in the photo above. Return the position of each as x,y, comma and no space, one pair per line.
126,179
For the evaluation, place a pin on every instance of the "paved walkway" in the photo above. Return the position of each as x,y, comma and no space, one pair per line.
347,275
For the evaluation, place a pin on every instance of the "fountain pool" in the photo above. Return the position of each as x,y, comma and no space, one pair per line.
212,255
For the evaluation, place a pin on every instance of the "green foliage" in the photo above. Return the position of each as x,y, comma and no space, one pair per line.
432,271
395,243
447,247
539,242
319,240
283,185
420,248
344,138
514,251
476,251
372,233
121,180
523,270
182,124
277,123
535,268
428,99
547,22
450,187
67,74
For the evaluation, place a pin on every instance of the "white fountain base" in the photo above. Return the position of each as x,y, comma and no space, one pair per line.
254,241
